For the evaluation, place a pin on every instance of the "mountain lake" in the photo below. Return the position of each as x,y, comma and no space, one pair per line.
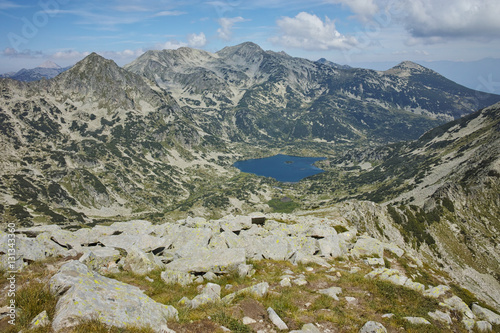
283,168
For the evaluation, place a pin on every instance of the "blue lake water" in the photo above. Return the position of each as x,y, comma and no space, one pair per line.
284,168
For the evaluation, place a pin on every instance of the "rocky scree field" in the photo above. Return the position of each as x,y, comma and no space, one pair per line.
257,274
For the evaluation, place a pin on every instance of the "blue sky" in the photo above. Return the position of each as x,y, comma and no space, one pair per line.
353,32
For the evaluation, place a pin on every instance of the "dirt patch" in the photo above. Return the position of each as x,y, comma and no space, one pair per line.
250,308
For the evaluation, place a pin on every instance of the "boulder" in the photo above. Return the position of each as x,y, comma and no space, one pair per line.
210,260
373,327
333,292
329,246
258,290
145,243
236,223
436,292
276,320
456,303
367,246
140,262
484,326
486,314
274,247
84,294
172,277
41,320
441,316
134,227
100,259
317,230
209,294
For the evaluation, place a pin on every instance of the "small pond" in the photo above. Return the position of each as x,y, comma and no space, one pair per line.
284,168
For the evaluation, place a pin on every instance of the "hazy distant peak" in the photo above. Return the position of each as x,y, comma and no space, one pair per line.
49,64
407,68
409,65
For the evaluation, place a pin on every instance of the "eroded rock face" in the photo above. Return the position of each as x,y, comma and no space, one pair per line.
85,294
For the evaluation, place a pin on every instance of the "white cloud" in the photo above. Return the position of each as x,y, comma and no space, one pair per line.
197,41
28,54
309,32
8,5
169,13
226,26
429,19
364,9
170,45
70,55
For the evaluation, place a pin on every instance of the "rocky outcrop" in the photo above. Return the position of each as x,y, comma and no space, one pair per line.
84,294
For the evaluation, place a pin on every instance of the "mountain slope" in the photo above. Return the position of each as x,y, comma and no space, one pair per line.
440,194
95,141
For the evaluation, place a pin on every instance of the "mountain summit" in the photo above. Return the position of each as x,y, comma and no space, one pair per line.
49,64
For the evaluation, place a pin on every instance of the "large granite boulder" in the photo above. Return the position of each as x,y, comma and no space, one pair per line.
85,294
209,260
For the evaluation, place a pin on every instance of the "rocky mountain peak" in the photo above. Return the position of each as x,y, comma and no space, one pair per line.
49,64
245,50
407,68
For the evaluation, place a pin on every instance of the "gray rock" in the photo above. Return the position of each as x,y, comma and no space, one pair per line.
274,247
303,258
172,277
417,320
100,259
393,248
258,290
305,245
321,231
373,327
248,321
276,320
209,294
367,246
236,223
210,260
141,263
391,275
484,326
329,246
307,328
441,316
456,303
245,270
414,285
436,292
85,294
135,227
468,323
486,314
145,243
375,261
41,320
285,282
210,276
333,292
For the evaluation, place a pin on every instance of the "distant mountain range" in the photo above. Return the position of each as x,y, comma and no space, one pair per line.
47,70
103,140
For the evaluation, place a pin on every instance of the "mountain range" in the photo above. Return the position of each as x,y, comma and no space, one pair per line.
406,149
47,70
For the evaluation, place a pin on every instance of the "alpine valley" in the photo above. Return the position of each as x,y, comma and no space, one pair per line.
412,158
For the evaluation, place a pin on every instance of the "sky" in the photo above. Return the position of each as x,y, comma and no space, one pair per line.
361,33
